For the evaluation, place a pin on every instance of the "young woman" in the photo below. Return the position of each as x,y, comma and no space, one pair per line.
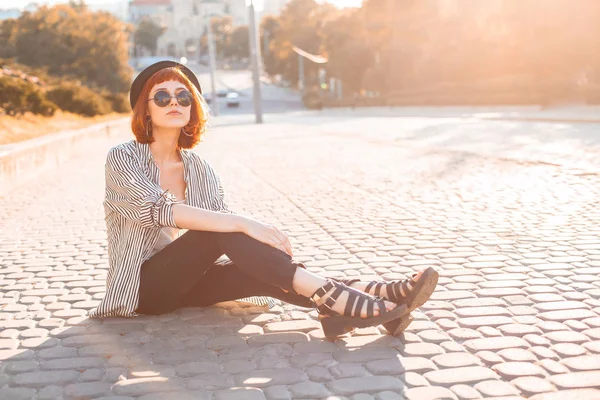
168,228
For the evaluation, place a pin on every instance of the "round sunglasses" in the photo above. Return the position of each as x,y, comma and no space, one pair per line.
162,98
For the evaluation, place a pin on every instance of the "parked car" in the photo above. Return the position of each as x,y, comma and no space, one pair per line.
312,98
233,99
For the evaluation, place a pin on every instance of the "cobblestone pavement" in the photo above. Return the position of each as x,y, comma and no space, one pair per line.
516,313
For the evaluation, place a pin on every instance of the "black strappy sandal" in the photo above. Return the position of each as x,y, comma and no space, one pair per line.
409,292
335,324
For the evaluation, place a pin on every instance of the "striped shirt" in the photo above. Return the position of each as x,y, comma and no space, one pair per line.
136,208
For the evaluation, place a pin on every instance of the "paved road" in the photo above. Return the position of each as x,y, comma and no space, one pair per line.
516,314
274,99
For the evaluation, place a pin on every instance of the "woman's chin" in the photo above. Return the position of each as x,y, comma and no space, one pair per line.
172,124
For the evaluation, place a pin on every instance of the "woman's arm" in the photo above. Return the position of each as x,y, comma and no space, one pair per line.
199,219
134,196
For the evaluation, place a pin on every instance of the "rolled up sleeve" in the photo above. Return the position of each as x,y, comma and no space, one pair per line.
133,195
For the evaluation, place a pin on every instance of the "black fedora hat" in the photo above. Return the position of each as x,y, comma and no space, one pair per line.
140,80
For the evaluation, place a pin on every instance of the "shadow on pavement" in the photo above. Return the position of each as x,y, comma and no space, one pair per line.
195,351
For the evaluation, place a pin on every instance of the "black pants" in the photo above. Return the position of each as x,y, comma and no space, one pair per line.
185,273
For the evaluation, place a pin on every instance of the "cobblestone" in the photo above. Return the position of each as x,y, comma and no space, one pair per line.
309,390
348,370
278,392
240,394
263,378
530,385
15,367
465,392
142,386
495,344
494,388
43,378
430,393
400,365
210,381
16,393
552,366
371,384
453,376
364,355
587,379
89,389
583,363
454,360
512,370
51,392
577,394
177,395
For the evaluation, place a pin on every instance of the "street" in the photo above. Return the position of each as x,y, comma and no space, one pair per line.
274,99
507,211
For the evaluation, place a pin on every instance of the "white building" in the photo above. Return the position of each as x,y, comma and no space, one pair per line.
157,10
185,21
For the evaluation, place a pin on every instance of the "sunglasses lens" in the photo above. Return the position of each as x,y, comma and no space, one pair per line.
184,98
162,98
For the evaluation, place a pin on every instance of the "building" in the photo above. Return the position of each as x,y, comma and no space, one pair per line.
157,10
185,21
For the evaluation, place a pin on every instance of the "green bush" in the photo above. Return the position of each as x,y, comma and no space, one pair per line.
79,100
39,104
119,101
13,96
18,96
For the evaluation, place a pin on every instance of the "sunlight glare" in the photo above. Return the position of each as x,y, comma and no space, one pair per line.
344,3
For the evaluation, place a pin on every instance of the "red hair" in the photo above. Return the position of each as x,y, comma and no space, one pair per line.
198,114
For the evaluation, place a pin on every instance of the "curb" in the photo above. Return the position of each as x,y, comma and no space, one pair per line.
542,119
21,161
590,116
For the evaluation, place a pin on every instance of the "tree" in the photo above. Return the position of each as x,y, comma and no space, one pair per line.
91,46
221,30
147,33
444,51
300,24
239,43
8,34
348,50
269,28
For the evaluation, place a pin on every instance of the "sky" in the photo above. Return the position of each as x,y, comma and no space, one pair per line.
22,3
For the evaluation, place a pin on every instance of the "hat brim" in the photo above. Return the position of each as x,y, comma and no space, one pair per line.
140,80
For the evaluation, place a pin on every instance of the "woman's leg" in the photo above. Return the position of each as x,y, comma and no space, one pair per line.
226,281
172,273
275,267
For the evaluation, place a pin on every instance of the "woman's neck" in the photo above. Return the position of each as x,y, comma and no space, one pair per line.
164,148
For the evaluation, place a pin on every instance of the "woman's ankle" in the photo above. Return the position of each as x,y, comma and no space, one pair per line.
305,283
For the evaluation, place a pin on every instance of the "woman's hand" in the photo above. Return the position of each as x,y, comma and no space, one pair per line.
268,234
